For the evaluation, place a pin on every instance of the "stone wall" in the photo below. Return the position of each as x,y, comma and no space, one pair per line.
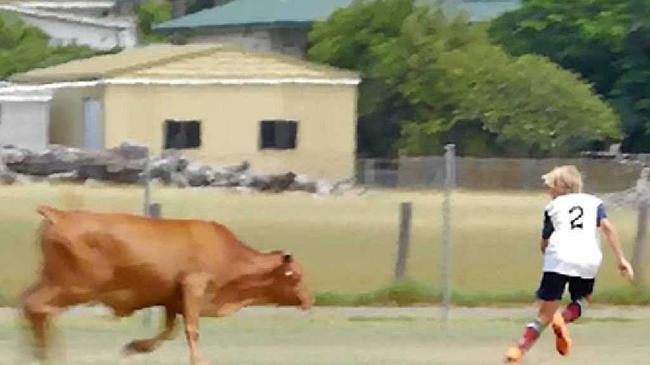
127,164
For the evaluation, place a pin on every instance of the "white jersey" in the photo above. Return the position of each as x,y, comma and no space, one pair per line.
571,226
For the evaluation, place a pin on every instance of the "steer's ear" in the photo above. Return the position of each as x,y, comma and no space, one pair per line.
287,258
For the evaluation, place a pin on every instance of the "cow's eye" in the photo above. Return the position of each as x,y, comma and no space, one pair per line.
289,273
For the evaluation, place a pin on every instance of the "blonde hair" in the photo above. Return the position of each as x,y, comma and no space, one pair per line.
563,180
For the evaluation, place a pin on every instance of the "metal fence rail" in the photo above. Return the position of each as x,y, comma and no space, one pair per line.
602,175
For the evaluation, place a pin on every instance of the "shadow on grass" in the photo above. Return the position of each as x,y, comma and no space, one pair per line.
413,293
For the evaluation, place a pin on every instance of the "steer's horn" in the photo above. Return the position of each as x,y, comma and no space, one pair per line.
287,257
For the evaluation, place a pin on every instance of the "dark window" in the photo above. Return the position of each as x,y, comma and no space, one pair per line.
278,134
182,134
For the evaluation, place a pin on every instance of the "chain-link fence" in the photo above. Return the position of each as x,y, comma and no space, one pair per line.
499,201
484,234
602,175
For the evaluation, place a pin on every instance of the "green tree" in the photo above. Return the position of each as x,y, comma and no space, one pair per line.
526,105
605,41
356,38
23,48
150,13
430,79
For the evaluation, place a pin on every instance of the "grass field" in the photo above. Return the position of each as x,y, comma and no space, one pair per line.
349,337
346,243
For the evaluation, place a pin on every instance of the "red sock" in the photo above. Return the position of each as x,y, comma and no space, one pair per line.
531,333
572,312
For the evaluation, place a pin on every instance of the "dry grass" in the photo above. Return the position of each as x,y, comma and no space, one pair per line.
346,243
340,337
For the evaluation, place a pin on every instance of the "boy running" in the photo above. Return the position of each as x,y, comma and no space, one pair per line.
572,256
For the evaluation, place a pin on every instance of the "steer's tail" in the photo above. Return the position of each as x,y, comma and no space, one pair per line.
51,214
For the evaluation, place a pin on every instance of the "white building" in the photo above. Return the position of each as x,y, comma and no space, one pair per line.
24,117
91,23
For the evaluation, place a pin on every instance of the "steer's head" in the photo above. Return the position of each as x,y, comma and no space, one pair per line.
287,285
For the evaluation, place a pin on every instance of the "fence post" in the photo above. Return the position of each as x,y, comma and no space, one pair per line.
638,257
154,211
404,240
369,172
450,183
147,210
147,186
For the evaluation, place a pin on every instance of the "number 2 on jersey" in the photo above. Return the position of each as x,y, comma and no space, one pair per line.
576,221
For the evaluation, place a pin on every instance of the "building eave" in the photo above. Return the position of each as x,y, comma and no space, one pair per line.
97,22
262,81
255,25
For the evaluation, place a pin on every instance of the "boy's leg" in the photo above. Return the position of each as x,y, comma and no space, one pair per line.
549,294
580,290
562,338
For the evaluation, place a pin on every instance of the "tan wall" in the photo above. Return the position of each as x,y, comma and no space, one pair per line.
66,123
230,117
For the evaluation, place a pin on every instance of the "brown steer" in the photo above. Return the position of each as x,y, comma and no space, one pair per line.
126,262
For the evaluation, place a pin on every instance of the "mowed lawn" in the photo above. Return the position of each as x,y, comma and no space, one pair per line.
346,337
346,243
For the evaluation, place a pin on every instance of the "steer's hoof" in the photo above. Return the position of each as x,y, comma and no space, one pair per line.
139,347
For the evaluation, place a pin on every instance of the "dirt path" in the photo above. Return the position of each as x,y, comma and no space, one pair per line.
431,313
347,336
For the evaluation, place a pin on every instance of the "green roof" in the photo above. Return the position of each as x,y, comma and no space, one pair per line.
190,62
480,11
302,13
296,13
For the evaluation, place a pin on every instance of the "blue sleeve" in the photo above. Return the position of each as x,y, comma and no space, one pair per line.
602,214
548,229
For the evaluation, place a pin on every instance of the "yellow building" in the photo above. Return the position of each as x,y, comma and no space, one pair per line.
218,104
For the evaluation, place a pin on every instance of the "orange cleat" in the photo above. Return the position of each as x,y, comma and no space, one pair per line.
513,355
562,338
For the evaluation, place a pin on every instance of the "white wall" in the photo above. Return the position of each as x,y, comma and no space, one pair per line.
292,42
65,33
25,124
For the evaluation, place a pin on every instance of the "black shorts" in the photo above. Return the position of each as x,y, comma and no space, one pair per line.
553,285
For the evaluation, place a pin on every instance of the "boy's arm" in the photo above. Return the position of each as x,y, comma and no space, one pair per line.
547,231
543,244
607,228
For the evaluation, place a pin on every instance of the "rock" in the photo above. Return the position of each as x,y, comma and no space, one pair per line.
282,182
93,183
304,183
56,159
92,171
225,180
249,179
324,188
270,183
199,175
63,177
179,180
167,163
127,163
243,167
130,151
180,162
12,155
7,177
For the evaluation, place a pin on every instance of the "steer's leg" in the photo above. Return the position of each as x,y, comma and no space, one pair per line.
38,304
194,288
36,313
43,300
150,344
